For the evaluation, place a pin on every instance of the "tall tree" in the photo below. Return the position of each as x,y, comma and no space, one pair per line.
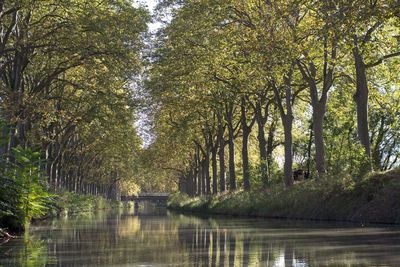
368,25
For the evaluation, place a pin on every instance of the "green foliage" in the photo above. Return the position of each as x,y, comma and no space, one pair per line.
177,198
256,174
214,54
70,203
29,177
22,194
75,65
73,71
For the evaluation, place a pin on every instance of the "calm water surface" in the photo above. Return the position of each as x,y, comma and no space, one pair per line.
122,238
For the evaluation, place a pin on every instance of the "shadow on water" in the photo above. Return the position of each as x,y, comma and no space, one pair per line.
150,236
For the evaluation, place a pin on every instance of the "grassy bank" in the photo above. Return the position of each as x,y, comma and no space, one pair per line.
61,204
374,199
67,203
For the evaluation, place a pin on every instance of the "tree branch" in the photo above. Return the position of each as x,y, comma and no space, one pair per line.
368,35
379,61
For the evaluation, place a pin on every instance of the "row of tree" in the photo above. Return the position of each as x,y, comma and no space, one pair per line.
319,78
68,71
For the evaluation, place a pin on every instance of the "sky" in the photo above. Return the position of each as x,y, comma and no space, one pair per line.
150,4
142,122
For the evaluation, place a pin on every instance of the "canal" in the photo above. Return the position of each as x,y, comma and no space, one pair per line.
161,238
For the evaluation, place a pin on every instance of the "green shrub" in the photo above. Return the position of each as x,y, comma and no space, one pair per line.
21,188
70,203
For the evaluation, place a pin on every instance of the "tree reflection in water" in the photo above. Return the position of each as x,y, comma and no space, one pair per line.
221,243
27,251
114,238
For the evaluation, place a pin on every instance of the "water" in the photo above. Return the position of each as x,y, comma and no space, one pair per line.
122,238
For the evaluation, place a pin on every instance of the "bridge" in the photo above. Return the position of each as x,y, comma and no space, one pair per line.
159,198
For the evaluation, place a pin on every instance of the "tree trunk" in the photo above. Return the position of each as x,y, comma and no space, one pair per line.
222,171
246,130
318,119
319,100
203,177
221,155
245,162
287,121
199,175
318,111
191,185
5,132
214,169
361,99
207,174
231,149
189,180
181,184
262,148
53,174
270,143
115,188
232,172
288,165
48,162
194,180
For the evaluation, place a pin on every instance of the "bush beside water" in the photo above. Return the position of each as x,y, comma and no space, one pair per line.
64,203
23,194
374,199
68,203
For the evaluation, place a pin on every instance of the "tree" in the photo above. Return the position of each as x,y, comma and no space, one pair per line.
317,62
66,74
367,27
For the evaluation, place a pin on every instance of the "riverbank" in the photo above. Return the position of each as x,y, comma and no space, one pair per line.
68,203
65,203
372,199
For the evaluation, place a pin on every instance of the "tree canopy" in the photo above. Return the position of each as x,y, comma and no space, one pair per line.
300,69
240,95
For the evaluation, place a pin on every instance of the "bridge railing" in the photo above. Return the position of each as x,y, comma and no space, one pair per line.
146,196
153,194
